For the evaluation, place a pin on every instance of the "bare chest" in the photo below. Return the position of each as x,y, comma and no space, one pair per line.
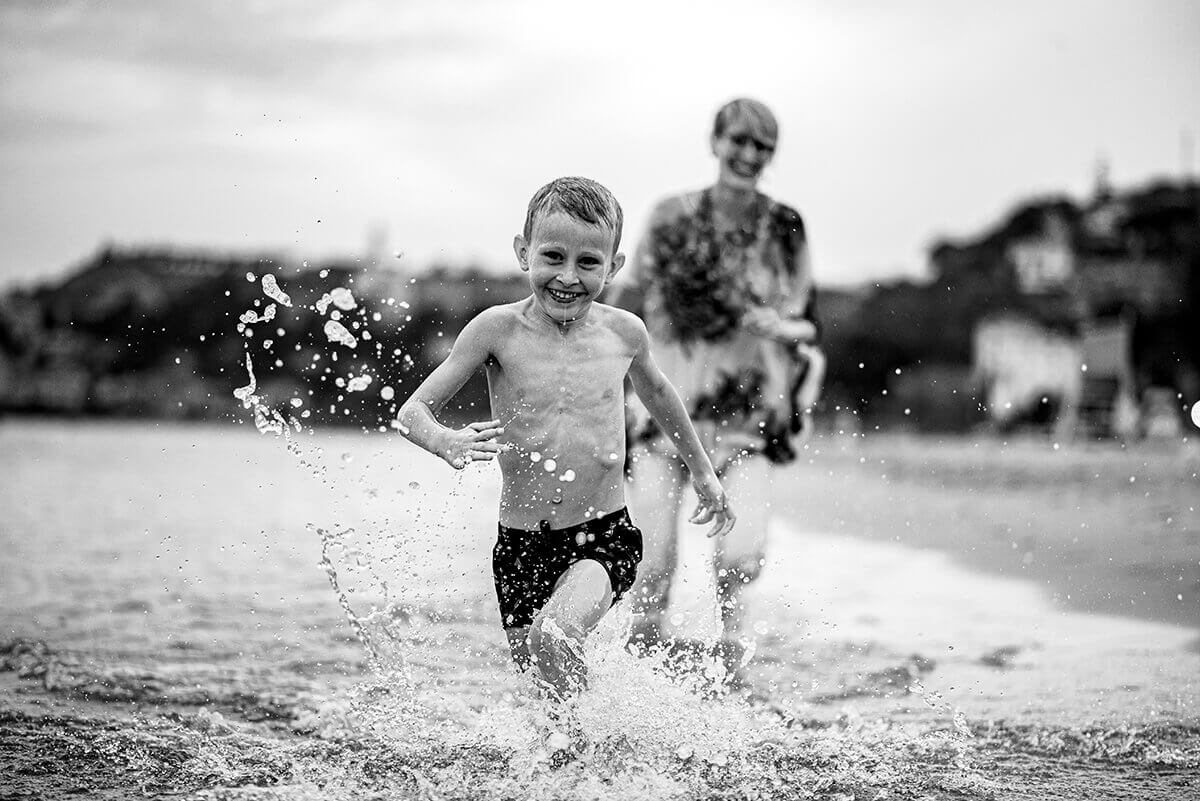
573,376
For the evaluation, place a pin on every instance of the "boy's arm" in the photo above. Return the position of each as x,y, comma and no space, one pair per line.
418,423
664,405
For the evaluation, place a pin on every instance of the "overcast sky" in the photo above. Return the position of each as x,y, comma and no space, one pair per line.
298,127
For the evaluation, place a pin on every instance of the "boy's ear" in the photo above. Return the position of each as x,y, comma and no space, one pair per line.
521,248
618,262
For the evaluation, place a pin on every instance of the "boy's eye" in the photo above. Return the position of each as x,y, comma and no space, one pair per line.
552,255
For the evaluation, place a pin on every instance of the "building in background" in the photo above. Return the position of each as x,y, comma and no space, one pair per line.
1099,325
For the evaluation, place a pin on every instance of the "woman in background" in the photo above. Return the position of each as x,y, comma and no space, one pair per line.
721,278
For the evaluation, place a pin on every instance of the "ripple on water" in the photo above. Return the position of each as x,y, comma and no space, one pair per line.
642,731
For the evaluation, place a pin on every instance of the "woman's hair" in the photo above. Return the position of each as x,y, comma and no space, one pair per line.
582,198
755,114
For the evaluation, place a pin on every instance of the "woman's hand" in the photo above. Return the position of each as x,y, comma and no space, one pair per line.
766,322
713,506
763,321
474,443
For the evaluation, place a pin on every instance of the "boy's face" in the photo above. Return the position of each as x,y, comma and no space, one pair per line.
569,263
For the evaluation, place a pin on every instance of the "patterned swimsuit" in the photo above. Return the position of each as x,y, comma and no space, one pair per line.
696,283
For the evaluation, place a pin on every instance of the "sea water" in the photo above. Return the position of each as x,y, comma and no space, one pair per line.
220,614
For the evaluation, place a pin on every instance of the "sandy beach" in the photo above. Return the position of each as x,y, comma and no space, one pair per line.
958,619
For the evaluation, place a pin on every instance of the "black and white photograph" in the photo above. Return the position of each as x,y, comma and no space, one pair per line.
625,401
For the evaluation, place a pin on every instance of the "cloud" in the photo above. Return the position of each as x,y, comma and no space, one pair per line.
241,123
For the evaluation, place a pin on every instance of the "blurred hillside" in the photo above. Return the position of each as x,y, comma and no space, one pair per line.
155,333
999,335
1077,316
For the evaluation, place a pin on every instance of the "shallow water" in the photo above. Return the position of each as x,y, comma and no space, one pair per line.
168,628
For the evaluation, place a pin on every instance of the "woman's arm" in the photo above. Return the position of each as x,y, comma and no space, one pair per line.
765,321
792,320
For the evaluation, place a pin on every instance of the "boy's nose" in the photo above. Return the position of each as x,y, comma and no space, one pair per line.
568,275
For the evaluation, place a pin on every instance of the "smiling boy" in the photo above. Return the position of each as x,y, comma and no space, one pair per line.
556,363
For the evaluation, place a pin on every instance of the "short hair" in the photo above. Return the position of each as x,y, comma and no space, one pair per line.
755,114
582,198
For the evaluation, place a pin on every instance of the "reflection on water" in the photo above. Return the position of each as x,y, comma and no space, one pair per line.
180,635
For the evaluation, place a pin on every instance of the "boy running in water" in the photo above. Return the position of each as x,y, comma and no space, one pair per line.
556,364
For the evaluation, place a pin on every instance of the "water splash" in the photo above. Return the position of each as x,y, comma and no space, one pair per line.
648,726
270,288
250,316
339,297
336,332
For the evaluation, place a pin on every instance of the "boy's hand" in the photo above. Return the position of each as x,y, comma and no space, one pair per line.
713,506
474,443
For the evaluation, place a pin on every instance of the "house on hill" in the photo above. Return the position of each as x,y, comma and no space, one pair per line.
1095,310
142,280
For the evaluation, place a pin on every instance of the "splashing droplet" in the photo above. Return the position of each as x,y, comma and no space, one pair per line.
271,289
336,332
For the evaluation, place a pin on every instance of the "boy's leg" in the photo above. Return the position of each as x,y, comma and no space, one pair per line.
740,553
518,645
655,497
581,597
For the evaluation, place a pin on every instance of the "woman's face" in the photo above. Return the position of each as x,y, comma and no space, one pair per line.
742,154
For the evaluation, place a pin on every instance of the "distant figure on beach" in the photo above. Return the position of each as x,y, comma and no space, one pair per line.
721,279
556,364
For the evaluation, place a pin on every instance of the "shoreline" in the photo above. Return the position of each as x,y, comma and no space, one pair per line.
1069,520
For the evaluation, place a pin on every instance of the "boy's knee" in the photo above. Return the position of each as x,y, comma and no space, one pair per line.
548,631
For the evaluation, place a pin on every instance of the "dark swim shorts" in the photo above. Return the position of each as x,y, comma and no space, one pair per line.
527,564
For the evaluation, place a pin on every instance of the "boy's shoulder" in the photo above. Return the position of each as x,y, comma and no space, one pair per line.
498,317
622,322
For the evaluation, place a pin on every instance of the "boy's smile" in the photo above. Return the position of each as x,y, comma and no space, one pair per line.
569,263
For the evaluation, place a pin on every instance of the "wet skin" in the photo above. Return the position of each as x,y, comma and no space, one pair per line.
556,363
558,394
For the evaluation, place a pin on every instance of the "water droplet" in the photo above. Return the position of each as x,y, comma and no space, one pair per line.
535,457
568,476
387,393
549,465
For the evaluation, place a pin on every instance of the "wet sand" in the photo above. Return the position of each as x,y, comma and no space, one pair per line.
167,628
1103,527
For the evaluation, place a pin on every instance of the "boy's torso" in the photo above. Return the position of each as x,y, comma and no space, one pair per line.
560,397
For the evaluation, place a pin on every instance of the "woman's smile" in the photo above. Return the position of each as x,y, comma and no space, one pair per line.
745,169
